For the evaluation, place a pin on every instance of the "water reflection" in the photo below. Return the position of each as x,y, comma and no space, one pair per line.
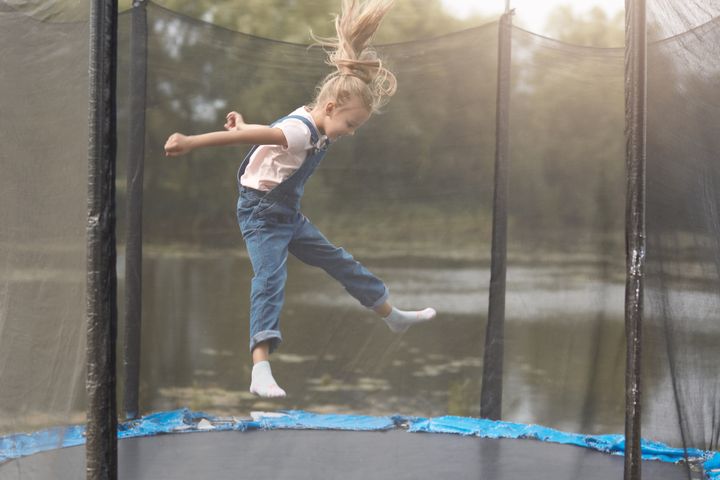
564,357
339,357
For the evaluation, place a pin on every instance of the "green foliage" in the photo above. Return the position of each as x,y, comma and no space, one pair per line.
433,147
292,20
593,28
567,136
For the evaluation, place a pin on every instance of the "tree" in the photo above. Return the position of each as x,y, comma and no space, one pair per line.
292,20
593,28
433,147
567,124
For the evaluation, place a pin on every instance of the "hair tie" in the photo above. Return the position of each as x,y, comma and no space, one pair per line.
365,70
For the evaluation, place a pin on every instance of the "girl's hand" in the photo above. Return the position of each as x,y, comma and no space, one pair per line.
177,144
234,121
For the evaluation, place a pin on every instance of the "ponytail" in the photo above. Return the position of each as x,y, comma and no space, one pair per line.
358,69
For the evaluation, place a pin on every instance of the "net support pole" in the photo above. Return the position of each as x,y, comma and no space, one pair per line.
135,178
101,295
491,393
635,235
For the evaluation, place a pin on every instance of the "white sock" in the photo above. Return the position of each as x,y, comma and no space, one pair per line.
400,320
263,384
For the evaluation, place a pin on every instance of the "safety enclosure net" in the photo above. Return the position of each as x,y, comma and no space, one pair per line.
410,195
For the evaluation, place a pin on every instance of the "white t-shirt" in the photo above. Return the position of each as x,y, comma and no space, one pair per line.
269,165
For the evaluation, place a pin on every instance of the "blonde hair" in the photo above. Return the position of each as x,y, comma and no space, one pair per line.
359,72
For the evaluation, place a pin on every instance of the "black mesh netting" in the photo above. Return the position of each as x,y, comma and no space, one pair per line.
410,195
682,303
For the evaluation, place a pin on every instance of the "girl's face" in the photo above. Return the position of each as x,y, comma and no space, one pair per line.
345,119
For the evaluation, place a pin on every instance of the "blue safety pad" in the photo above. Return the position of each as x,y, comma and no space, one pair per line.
186,421
712,467
612,444
297,419
22,444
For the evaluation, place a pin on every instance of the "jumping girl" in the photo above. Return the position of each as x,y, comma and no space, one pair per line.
272,176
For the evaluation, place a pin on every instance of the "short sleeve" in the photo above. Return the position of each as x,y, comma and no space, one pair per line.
297,135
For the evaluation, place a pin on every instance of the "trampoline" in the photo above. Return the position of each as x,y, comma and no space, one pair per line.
299,445
502,202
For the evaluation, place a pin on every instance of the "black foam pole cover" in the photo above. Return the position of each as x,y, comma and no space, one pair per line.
134,235
635,234
491,392
101,432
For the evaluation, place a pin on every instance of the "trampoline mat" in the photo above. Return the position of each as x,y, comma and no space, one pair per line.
347,455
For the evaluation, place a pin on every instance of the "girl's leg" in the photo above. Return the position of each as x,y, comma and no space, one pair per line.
400,320
383,310
263,383
266,299
261,352
267,248
311,246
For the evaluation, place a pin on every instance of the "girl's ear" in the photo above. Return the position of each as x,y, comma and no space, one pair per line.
329,108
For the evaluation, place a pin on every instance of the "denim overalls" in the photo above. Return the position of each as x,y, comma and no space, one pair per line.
272,225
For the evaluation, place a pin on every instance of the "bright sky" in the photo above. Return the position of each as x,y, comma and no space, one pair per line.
532,14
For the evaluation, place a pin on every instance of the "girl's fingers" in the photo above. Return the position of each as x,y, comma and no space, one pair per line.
233,118
171,146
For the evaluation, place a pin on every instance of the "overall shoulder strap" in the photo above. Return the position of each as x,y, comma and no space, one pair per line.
314,136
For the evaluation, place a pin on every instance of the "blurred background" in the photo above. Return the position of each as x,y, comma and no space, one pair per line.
410,195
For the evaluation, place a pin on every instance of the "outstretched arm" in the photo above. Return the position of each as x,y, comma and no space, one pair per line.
235,121
238,132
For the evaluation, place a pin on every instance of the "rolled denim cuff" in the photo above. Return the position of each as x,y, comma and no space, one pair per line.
273,336
381,300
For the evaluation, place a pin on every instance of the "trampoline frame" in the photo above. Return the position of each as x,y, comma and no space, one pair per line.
184,421
102,431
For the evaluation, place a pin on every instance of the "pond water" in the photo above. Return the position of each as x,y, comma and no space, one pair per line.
564,358
564,353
